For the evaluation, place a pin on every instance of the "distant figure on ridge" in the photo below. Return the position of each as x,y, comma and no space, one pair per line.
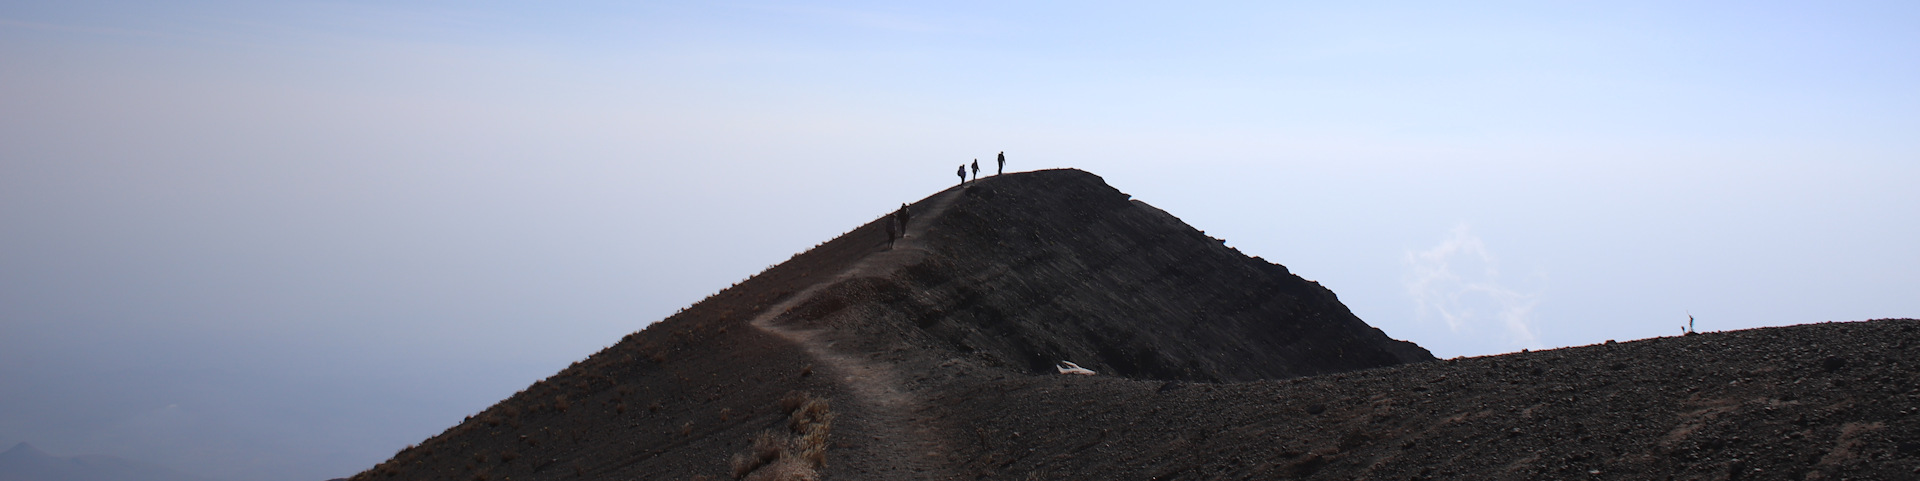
976,169
898,220
904,216
963,174
893,231
1003,164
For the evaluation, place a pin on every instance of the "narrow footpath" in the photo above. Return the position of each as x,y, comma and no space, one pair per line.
901,446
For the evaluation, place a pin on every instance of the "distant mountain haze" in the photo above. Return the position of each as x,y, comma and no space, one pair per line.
27,463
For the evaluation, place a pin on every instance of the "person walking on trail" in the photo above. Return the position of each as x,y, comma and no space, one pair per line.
963,174
1003,164
898,218
893,231
976,169
905,215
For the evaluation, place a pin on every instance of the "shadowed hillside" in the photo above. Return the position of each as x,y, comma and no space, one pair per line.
935,359
1029,269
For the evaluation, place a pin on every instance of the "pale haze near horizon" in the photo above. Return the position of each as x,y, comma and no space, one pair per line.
280,241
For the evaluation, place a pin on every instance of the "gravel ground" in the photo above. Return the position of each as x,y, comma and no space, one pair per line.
1820,401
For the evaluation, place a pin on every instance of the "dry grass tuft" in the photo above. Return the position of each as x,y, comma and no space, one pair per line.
767,448
814,410
793,400
785,469
813,447
797,455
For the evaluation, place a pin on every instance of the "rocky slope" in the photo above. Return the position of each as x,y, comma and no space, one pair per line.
1029,269
935,360
1821,401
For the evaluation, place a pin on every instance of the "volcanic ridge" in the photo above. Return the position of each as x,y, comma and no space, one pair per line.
940,357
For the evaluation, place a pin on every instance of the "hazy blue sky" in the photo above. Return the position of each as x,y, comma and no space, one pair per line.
279,241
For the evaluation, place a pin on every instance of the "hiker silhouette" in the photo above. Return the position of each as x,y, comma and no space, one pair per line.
1003,164
963,174
904,214
976,169
893,231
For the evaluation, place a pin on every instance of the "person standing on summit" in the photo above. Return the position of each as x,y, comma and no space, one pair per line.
963,174
976,169
1003,164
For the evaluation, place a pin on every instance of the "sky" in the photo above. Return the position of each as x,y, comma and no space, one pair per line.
281,240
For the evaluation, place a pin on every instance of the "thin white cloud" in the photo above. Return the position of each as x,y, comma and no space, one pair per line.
1459,282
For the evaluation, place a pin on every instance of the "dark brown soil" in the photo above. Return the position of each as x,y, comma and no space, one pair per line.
938,358
1030,269
1824,401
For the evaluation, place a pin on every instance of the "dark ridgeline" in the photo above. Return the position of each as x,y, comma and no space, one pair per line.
938,358
1034,268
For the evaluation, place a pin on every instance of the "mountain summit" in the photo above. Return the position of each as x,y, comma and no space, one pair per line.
1023,271
1010,275
23,451
952,355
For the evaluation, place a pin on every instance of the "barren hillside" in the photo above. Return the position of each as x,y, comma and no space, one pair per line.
935,359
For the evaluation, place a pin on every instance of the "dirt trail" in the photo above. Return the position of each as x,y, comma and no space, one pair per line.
901,444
